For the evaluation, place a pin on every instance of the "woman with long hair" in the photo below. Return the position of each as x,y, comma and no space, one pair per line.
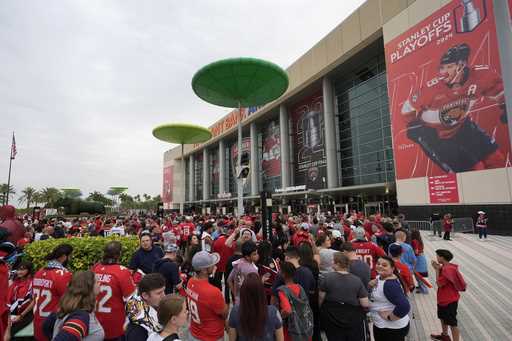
268,267
421,261
172,315
389,306
306,259
75,318
20,297
325,253
253,319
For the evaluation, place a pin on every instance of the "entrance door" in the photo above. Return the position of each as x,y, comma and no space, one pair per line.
373,207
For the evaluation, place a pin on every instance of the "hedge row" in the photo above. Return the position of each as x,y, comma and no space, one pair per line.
87,251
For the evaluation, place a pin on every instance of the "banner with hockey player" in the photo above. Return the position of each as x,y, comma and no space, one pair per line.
446,93
271,154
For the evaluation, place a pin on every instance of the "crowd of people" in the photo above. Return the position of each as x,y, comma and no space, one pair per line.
201,277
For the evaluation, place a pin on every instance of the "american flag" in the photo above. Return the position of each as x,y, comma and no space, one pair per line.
13,148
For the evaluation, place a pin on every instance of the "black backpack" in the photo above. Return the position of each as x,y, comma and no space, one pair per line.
300,321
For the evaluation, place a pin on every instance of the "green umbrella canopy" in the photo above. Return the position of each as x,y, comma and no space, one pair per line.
117,189
70,189
182,133
240,82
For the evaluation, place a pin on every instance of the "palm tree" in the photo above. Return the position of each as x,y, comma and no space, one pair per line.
99,197
6,192
146,197
28,196
50,195
37,198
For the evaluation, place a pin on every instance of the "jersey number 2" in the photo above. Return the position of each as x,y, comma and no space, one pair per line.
101,304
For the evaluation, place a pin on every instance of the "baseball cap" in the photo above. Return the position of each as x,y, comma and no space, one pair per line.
304,226
171,248
480,212
395,250
360,233
336,234
204,259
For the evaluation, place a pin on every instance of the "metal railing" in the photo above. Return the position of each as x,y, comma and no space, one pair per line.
464,224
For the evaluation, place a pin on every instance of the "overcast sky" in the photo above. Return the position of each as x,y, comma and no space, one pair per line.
82,83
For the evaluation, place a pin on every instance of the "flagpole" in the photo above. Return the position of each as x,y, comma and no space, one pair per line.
9,177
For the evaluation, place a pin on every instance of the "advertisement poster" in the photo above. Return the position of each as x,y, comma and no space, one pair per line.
271,153
198,175
446,93
443,189
246,148
308,142
167,186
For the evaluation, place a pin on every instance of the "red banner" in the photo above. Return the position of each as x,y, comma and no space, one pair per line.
271,152
443,189
167,186
446,93
308,142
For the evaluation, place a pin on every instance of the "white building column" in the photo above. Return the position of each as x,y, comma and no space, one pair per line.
330,134
255,173
222,167
284,146
206,178
191,184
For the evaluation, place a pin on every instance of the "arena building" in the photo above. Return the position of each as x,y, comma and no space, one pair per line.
402,107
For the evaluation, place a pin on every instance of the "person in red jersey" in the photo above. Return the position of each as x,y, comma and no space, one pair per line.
449,283
224,251
365,250
116,286
186,229
302,236
4,283
395,251
21,302
208,312
440,119
49,285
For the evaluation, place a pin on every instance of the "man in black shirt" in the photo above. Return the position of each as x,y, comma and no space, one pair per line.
168,268
303,276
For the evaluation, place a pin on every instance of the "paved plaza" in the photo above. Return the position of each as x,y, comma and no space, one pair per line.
485,308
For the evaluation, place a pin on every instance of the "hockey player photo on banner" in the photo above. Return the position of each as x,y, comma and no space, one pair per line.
446,93
167,192
271,152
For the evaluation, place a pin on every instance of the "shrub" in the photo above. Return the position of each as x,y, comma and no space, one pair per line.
87,251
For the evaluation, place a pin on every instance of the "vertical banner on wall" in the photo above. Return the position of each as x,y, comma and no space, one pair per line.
167,186
446,93
271,153
246,148
308,141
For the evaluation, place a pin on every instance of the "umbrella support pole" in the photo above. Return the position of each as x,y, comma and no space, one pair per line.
240,186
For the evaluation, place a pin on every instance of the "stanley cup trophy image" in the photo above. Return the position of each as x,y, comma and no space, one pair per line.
311,127
471,16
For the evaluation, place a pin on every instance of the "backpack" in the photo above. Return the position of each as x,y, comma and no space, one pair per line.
300,321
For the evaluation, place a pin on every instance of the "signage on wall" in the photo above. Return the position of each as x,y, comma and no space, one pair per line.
291,189
309,142
167,185
271,152
446,93
443,189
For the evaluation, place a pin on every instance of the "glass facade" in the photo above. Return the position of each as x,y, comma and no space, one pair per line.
365,149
